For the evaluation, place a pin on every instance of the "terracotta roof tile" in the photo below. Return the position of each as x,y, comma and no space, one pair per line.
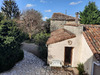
60,35
92,36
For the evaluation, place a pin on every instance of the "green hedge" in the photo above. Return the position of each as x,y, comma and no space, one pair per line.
10,42
41,39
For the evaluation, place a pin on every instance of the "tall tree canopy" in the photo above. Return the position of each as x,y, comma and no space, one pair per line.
90,15
32,21
10,9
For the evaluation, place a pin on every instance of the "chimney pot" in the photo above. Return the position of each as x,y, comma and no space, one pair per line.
76,19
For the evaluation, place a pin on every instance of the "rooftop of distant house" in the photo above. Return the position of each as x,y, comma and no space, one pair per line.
60,16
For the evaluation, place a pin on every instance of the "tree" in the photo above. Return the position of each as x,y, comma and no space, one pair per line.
32,22
40,39
1,16
10,9
90,15
47,25
10,42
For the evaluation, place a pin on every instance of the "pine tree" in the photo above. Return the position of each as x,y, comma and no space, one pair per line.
10,8
1,16
90,15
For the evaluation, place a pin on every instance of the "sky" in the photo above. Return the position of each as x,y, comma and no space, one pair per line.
48,7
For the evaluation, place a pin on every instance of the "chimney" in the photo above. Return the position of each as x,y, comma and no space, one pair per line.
76,19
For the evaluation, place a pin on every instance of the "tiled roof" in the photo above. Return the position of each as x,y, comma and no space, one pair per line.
92,36
60,16
60,35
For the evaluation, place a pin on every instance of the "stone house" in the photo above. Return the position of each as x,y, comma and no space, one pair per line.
59,19
73,44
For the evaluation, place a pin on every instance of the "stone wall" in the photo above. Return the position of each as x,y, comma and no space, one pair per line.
56,24
56,51
86,56
81,50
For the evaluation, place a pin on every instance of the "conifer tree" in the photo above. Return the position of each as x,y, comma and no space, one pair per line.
90,15
10,9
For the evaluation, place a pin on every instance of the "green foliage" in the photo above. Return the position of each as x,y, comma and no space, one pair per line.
10,42
1,16
41,39
90,15
47,26
10,9
81,69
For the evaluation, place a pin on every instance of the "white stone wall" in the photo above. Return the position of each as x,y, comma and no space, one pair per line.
56,51
86,56
81,51
77,30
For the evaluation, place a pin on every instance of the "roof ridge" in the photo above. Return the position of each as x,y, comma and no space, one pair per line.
60,35
62,16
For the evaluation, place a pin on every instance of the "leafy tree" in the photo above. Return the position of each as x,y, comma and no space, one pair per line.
32,22
90,15
10,8
41,39
10,42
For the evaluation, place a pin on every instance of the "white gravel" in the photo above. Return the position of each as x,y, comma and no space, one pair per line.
30,65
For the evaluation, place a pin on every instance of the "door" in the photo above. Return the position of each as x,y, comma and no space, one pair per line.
68,55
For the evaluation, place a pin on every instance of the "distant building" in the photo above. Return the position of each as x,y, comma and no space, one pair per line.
73,44
59,19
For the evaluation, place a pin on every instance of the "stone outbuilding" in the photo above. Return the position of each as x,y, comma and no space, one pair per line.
59,19
73,44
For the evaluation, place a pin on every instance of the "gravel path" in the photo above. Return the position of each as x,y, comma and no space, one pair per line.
30,47
30,65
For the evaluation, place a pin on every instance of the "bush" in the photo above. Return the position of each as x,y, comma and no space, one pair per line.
81,69
41,39
10,42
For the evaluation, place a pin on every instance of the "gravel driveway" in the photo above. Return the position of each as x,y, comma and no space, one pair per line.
30,65
30,47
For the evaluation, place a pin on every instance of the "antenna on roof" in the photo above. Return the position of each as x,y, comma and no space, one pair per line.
66,12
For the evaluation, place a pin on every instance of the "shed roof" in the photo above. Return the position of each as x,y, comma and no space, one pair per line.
60,35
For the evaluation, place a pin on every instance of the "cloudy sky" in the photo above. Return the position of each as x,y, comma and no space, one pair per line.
48,7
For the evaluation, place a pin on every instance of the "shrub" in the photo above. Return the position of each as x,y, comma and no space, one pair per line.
10,42
41,39
81,69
